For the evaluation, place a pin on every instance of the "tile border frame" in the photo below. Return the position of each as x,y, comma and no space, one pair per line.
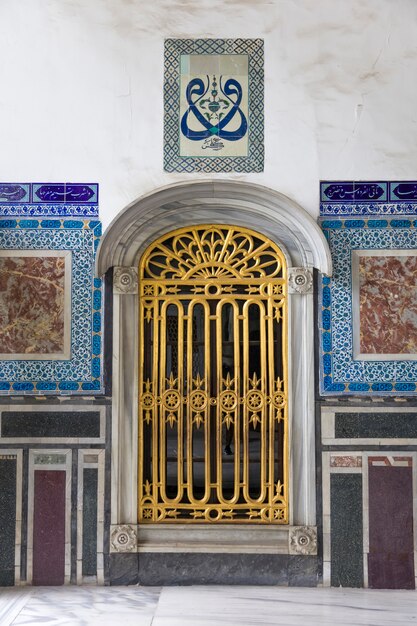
173,161
360,377
81,238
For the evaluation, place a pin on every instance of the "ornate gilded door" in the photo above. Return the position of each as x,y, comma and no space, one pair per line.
213,378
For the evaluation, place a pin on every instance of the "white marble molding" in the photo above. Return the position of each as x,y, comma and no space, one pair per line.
304,246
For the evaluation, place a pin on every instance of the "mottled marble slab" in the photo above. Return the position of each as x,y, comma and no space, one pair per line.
206,606
256,606
34,295
12,601
388,303
88,606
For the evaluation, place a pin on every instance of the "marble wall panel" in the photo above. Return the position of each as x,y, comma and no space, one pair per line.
369,496
375,425
34,298
391,541
346,530
387,303
50,424
8,494
89,534
49,527
227,569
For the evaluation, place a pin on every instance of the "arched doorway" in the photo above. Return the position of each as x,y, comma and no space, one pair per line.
291,230
213,417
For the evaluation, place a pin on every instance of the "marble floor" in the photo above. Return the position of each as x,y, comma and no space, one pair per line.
205,606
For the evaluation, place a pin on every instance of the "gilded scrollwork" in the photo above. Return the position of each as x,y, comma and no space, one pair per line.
213,391
212,252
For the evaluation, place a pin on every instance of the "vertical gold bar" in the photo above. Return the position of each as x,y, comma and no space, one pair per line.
163,375
245,433
285,388
219,425
189,385
140,409
239,406
271,388
263,389
155,421
207,376
221,388
180,425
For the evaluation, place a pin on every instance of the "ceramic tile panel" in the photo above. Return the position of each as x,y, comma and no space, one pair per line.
49,199
368,310
213,105
50,301
367,198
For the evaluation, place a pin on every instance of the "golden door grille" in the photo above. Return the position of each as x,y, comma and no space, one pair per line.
213,378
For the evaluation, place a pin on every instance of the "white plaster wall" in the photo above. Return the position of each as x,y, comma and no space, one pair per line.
82,82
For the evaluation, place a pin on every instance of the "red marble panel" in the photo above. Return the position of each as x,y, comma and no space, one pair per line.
388,304
32,304
49,528
391,543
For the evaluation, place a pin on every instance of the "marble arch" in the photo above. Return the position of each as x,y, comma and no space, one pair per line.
305,248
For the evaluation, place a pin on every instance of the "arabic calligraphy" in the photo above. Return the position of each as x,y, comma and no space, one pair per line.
405,190
354,191
12,193
214,113
64,193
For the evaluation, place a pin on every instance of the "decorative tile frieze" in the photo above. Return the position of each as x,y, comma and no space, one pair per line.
51,343
300,280
213,105
123,538
349,364
43,199
302,540
367,198
125,280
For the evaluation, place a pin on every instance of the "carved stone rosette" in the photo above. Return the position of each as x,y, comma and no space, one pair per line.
300,280
125,280
123,538
303,540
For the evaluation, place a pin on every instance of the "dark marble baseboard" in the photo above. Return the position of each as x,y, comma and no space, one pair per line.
211,569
